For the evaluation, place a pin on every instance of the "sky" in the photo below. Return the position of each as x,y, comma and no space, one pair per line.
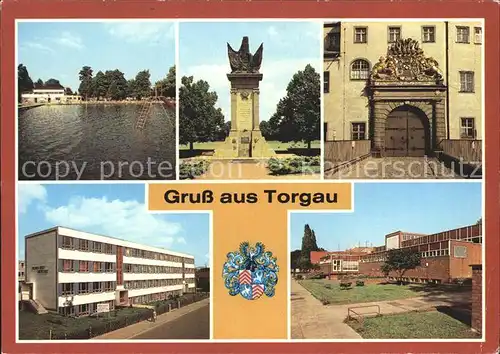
116,210
382,208
60,49
288,48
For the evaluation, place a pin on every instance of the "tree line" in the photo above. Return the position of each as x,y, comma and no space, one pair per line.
297,116
110,84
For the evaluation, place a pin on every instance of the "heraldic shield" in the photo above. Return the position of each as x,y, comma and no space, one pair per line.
250,272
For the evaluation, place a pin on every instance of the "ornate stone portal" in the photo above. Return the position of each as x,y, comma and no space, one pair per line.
245,139
405,79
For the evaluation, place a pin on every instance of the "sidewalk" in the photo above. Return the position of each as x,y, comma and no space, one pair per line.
131,331
312,320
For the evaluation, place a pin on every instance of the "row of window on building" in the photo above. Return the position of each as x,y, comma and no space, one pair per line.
458,252
84,309
395,33
144,299
468,234
79,244
69,265
360,70
87,287
134,252
140,268
155,283
467,129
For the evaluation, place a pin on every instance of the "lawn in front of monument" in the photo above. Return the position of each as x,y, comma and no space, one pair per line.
279,147
329,291
415,325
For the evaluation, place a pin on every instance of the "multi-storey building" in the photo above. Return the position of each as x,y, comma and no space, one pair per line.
72,271
445,256
405,86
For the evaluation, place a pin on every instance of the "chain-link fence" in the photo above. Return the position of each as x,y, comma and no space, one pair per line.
112,323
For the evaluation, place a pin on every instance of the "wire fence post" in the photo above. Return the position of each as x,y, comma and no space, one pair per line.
50,334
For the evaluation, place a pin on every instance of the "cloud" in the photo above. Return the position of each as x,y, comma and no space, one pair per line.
272,32
29,194
36,46
118,218
69,40
277,75
149,32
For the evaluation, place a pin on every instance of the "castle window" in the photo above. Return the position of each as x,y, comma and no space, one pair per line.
358,131
466,81
360,34
478,35
467,129
360,70
428,34
393,34
326,81
463,34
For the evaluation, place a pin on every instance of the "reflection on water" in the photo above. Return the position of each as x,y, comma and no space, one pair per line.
96,142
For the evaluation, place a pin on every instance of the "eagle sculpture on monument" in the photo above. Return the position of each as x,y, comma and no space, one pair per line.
242,61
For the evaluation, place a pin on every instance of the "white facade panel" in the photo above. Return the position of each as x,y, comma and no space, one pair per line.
87,298
86,256
85,277
191,285
189,265
147,261
189,276
147,276
161,289
392,242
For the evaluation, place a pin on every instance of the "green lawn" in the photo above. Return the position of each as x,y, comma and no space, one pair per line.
276,145
421,325
358,294
33,326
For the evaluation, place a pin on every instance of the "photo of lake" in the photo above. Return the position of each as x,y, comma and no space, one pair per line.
96,141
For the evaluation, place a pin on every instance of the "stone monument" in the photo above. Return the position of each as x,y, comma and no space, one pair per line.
245,139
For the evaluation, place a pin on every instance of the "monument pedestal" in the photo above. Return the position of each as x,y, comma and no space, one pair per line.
245,144
245,139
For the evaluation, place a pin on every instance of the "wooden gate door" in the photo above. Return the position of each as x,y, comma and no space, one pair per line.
404,134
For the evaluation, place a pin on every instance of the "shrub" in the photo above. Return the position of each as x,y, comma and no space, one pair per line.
292,165
345,285
325,302
360,283
192,169
328,286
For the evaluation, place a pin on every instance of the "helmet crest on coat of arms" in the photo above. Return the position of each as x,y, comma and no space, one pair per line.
250,272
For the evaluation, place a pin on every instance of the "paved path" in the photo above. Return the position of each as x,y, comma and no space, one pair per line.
246,170
189,322
312,320
395,168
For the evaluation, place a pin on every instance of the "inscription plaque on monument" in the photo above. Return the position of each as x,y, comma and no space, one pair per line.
244,79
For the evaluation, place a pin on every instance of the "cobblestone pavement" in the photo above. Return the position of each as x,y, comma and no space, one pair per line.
395,168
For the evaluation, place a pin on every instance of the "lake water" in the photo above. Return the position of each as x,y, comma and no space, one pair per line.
94,142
